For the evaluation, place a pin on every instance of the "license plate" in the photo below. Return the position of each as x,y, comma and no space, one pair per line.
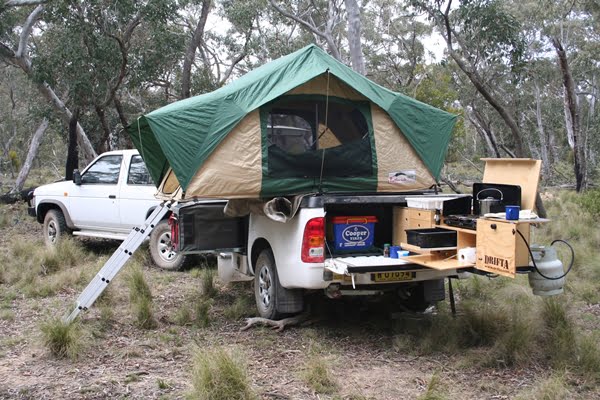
395,276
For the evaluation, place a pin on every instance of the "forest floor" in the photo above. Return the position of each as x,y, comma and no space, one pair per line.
502,345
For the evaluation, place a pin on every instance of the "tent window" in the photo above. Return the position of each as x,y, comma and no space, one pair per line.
299,130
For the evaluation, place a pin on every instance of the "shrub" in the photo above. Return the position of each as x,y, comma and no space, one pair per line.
202,308
218,376
62,339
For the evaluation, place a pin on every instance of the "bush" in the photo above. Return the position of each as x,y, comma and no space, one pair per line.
218,376
62,339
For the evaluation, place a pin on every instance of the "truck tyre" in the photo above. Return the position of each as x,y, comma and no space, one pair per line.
161,251
54,227
273,300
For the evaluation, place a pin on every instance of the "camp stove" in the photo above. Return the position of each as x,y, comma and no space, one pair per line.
466,221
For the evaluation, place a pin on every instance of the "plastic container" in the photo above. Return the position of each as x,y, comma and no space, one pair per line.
394,251
353,233
431,238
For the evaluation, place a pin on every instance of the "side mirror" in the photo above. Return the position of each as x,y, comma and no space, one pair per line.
76,177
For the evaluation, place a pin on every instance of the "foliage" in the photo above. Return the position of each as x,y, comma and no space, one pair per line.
218,375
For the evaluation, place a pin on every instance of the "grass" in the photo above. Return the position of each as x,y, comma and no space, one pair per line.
241,307
553,388
63,340
217,375
140,297
316,373
207,283
201,309
435,389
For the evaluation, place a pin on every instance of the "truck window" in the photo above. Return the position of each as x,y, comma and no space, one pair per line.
138,173
105,171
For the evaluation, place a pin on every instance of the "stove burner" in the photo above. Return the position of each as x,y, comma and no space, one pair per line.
467,221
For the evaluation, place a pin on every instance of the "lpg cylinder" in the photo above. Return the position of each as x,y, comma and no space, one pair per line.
551,267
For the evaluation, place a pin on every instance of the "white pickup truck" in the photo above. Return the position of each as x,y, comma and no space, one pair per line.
106,200
287,260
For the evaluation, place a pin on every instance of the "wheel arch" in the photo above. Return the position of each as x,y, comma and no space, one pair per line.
47,205
258,246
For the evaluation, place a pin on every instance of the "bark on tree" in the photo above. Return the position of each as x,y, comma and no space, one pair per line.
105,145
72,154
572,117
31,154
354,40
542,134
190,54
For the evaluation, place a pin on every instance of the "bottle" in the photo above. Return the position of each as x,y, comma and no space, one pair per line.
386,250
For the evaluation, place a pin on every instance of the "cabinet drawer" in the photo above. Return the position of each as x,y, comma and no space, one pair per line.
415,214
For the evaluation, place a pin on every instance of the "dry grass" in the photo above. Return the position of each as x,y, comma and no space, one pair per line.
435,389
316,371
63,340
140,297
218,375
207,282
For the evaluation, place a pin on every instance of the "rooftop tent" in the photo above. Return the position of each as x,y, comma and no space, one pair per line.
303,123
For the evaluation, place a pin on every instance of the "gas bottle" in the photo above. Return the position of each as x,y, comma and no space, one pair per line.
551,267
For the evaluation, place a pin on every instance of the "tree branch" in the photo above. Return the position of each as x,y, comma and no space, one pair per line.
26,30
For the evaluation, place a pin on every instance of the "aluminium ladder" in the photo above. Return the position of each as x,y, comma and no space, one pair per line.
114,264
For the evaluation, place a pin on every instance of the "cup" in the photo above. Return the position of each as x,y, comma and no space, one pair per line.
512,213
394,251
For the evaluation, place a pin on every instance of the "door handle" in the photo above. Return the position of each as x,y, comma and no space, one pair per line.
112,196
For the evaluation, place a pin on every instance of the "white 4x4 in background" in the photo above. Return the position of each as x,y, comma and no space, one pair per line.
111,196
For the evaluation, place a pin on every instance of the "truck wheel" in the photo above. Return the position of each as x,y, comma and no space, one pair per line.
266,285
54,227
161,250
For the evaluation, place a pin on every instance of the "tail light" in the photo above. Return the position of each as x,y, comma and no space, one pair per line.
174,224
313,241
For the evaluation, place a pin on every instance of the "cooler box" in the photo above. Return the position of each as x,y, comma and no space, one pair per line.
353,233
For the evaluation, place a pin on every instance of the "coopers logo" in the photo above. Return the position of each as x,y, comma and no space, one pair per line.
355,235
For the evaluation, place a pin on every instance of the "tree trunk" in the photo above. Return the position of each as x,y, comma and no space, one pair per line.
31,154
124,123
105,144
190,54
72,156
542,134
66,115
354,40
572,117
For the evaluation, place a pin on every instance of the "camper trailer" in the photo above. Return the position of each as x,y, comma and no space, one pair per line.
303,175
